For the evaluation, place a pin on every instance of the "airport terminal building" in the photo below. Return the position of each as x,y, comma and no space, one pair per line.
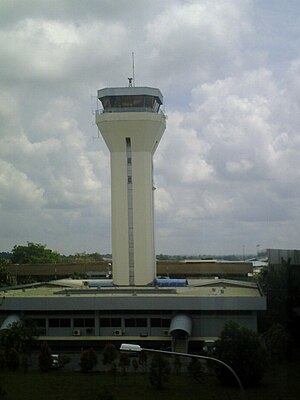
181,317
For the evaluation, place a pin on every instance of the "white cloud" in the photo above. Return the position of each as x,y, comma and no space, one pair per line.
227,167
17,190
196,41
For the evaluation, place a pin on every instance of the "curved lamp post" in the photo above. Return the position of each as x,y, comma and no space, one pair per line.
137,348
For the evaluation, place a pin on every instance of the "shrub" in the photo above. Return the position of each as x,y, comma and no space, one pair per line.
24,362
124,362
277,340
177,365
12,359
2,360
45,358
143,360
159,371
109,355
135,364
64,359
195,370
88,360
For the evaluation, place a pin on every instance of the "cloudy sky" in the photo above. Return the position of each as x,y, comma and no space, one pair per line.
227,169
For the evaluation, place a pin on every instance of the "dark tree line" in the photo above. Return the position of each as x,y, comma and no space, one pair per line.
37,253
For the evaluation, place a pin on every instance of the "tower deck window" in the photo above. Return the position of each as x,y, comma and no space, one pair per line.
130,99
130,103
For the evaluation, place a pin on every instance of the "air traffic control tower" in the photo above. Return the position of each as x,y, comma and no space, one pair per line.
132,125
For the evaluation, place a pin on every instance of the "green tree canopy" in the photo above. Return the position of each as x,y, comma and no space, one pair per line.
5,278
244,351
45,358
277,341
34,253
109,355
88,360
159,371
18,336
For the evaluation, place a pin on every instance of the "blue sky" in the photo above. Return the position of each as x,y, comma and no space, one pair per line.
227,169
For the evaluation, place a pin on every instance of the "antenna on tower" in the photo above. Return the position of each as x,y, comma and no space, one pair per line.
133,80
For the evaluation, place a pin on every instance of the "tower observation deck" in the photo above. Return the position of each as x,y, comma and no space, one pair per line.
132,125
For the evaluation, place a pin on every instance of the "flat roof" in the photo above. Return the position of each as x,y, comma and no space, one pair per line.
77,288
221,294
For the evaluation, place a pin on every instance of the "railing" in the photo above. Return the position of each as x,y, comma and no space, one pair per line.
128,109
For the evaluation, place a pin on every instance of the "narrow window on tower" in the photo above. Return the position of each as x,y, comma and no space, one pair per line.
130,212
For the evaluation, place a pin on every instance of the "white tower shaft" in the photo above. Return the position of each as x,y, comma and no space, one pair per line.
132,137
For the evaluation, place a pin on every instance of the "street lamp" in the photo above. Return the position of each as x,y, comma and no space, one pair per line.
137,348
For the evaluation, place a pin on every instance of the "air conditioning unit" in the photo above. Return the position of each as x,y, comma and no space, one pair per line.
166,333
76,332
118,332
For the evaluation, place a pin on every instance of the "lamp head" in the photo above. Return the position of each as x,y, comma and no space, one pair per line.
130,347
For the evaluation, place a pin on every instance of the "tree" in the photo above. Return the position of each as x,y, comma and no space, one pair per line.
24,362
109,355
278,285
2,359
135,365
244,351
277,340
5,278
177,365
88,360
124,362
34,253
18,336
12,358
195,369
159,371
45,358
64,360
143,359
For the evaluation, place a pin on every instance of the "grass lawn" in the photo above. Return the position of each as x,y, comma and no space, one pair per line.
281,384
78,386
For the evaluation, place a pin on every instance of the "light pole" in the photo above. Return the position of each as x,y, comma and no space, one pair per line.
137,348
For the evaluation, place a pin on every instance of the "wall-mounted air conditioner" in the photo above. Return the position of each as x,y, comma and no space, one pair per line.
76,332
118,332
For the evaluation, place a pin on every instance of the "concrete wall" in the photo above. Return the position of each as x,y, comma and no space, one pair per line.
203,324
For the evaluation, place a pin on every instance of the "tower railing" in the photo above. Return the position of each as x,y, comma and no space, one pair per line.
128,109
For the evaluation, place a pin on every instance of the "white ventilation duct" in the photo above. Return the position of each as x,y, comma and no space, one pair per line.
12,318
181,322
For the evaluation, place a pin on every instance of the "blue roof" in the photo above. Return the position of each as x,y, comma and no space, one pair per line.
170,282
